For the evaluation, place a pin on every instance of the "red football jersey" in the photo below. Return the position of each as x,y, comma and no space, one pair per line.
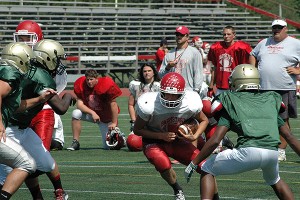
225,59
99,97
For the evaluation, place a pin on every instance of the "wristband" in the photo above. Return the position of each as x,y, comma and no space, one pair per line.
210,89
132,121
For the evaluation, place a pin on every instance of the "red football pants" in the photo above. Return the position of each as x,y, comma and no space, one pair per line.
43,125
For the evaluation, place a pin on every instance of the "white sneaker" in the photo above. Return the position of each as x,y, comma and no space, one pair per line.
179,195
281,155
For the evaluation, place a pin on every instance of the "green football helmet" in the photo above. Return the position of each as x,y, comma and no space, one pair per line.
20,55
244,77
49,54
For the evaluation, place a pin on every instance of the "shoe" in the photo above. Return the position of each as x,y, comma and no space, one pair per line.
226,142
56,145
74,146
179,195
60,194
281,155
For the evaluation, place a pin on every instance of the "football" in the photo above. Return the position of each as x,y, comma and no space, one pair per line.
192,123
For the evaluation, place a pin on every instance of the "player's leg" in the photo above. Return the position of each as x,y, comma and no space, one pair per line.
58,139
42,124
14,155
282,190
76,129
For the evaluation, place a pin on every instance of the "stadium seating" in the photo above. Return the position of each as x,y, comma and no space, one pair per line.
93,29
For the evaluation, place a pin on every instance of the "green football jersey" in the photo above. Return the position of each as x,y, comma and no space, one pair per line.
10,103
253,116
32,88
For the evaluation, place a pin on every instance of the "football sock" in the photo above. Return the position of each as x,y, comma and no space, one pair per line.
36,192
56,181
176,187
4,195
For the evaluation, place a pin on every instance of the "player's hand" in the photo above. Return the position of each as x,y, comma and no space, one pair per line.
112,126
46,95
95,117
210,93
188,172
73,101
169,136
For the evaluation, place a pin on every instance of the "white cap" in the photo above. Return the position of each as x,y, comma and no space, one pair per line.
279,22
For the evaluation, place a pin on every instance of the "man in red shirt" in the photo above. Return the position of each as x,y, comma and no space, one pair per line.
225,56
96,103
161,52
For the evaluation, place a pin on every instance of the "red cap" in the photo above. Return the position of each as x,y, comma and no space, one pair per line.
182,30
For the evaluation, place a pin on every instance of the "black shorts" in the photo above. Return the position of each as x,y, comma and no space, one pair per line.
289,98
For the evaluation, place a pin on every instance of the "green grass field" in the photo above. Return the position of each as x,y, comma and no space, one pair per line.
93,173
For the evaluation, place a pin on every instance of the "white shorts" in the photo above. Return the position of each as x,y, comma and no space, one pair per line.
244,159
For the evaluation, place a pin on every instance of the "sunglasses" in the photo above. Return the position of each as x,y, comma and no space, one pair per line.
277,27
179,34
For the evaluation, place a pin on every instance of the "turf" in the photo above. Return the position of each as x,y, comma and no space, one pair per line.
93,173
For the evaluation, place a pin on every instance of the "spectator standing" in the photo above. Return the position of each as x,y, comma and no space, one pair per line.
254,116
161,52
225,56
185,60
96,103
277,58
159,115
148,81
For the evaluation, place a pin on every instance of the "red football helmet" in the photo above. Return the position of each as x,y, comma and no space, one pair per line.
29,32
134,142
115,139
206,47
172,83
197,41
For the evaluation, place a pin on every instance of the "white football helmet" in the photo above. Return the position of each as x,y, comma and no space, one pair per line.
115,139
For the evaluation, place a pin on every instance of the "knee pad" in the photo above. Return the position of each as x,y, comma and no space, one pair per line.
77,114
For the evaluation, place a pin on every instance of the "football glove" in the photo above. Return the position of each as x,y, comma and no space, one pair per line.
189,171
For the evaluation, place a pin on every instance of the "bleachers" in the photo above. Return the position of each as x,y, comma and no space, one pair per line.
93,29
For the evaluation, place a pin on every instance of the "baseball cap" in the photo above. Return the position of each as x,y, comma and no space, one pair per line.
279,22
182,30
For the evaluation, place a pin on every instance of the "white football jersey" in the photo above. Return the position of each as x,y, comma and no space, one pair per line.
136,89
162,119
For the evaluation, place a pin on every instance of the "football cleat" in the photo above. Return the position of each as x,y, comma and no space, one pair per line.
60,194
179,195
74,146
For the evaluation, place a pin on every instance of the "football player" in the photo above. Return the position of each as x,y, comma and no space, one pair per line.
47,124
49,54
225,56
14,64
159,114
254,116
148,81
96,102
